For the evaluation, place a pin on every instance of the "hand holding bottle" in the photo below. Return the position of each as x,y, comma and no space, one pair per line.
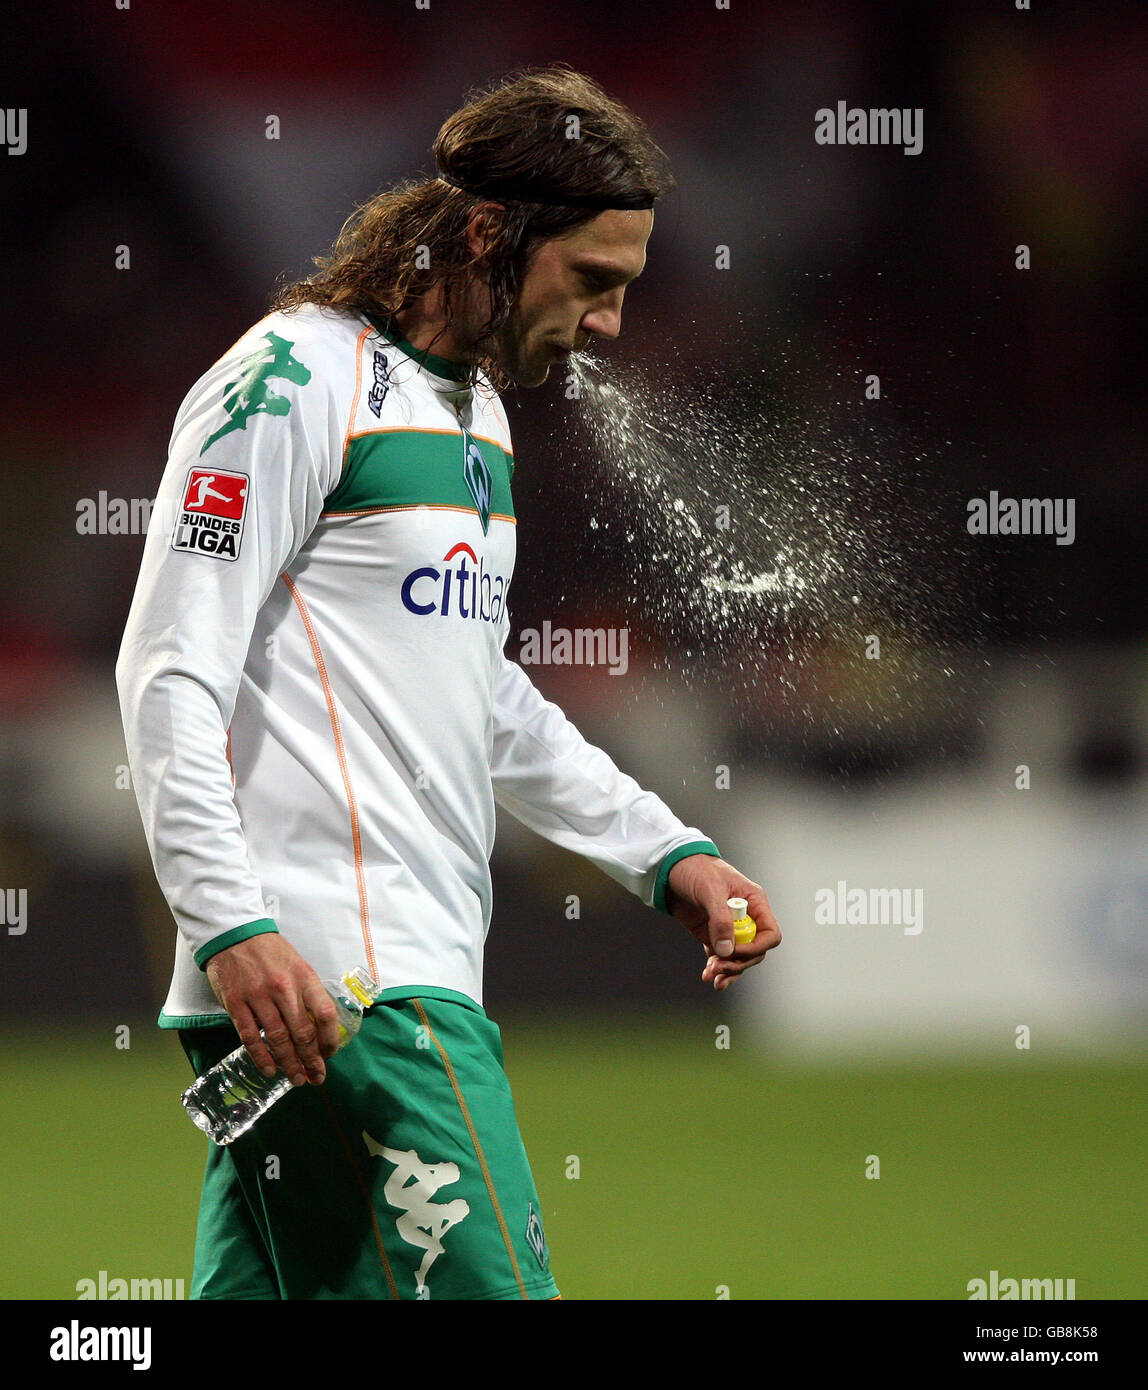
227,1100
278,1005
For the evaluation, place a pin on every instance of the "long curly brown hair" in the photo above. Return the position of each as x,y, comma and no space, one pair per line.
551,132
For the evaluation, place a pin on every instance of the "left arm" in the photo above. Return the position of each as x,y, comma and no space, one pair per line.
572,793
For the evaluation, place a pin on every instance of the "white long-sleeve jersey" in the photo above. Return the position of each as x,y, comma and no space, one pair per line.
319,714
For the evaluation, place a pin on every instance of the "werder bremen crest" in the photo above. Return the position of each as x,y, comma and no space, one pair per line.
535,1237
478,479
251,395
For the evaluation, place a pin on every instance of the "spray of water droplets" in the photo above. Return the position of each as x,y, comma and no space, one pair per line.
748,532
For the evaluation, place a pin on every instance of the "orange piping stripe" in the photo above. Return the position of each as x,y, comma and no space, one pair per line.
356,841
418,429
464,1108
355,400
422,506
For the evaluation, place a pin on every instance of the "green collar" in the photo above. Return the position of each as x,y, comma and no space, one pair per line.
439,366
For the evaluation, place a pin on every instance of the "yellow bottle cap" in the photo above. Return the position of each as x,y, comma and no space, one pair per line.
744,928
359,983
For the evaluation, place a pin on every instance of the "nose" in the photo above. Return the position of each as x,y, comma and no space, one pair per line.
604,320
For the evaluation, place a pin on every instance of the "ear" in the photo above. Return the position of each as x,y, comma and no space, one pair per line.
482,228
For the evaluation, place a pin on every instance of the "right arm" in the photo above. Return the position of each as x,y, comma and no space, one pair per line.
180,664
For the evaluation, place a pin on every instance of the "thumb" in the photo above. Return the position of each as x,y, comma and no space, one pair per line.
720,927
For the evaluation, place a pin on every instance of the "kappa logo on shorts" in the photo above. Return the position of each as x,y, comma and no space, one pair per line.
210,520
410,1189
535,1236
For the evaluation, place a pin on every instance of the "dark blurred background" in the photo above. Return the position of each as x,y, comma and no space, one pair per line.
146,129
990,762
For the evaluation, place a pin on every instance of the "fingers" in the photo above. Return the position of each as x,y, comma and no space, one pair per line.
762,914
723,973
726,961
720,928
248,1030
321,1007
275,1028
298,1039
304,1031
277,1036
284,1016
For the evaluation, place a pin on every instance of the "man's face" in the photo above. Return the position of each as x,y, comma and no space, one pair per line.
571,292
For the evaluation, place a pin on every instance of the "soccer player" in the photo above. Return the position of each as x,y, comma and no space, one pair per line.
320,717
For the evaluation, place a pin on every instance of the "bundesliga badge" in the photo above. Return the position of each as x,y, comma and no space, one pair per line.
210,520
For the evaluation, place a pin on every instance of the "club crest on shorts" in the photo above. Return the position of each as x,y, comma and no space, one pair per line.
535,1237
211,514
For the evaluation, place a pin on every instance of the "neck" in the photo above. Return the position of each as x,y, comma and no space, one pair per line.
424,325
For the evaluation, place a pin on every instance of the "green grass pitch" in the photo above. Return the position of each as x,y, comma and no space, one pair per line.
698,1170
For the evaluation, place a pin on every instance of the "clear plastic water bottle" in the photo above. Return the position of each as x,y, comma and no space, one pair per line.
227,1100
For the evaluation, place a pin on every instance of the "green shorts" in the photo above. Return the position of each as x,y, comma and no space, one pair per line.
402,1176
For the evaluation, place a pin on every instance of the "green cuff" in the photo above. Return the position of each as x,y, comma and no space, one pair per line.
219,1020
232,938
661,883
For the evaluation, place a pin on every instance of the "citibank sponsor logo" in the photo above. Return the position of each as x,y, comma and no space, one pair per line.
465,591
